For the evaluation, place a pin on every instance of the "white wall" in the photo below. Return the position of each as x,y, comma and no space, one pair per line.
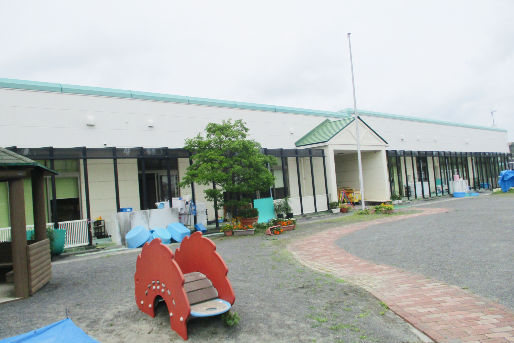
421,136
36,119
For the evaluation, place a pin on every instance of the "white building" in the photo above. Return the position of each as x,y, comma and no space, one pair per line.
118,148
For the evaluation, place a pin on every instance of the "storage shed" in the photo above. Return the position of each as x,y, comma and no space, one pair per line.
29,260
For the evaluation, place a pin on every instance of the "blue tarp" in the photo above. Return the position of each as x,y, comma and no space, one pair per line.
265,208
59,332
506,180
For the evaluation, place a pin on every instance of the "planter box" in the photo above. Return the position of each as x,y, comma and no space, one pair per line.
335,210
227,233
244,232
289,227
249,221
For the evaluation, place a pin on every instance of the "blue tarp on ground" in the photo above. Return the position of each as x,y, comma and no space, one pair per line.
506,180
59,332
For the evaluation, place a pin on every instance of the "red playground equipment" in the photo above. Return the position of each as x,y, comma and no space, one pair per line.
192,283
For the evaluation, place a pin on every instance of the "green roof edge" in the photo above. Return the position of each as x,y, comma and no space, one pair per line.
129,94
349,111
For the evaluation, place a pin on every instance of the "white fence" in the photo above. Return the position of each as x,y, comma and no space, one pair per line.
76,232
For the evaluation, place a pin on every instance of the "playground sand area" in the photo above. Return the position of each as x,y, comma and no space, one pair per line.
278,300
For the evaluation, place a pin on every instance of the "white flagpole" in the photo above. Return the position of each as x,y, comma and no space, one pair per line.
361,180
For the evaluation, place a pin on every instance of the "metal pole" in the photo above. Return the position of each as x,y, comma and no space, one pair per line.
401,190
325,175
361,181
193,197
474,172
414,171
116,181
299,182
440,172
86,190
168,177
313,183
283,161
54,189
143,176
406,174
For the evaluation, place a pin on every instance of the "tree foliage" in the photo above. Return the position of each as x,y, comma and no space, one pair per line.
226,158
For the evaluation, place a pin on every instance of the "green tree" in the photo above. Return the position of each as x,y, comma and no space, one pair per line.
229,162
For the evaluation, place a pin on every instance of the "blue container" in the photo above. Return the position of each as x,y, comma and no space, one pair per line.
126,209
138,236
178,231
163,234
459,194
201,228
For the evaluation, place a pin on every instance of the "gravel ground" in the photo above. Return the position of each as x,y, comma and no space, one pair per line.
277,299
471,246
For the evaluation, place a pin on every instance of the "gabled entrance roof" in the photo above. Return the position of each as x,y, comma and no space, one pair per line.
327,130
324,132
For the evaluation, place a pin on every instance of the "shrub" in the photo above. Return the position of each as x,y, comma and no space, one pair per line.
230,318
365,211
333,204
248,212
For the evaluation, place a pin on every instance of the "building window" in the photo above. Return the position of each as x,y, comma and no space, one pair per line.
156,177
280,189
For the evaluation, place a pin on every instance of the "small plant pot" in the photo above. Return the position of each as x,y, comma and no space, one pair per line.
244,232
344,210
335,210
289,215
228,233
280,216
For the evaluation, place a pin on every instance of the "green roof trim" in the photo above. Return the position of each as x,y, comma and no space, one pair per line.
12,159
324,132
349,111
129,94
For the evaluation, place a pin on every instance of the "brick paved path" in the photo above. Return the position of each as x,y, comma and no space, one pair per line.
445,313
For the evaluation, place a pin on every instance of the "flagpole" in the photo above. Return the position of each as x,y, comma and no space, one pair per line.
356,119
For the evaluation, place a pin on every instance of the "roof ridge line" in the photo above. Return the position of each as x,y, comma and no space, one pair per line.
349,111
153,96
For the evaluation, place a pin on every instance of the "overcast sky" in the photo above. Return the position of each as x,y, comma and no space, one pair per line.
449,60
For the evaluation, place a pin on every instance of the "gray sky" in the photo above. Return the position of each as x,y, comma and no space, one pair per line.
449,60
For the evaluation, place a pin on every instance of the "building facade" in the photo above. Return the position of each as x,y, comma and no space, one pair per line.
118,148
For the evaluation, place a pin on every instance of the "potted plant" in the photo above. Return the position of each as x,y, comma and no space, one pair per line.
227,229
274,230
288,224
384,208
248,216
396,199
279,209
287,208
334,206
345,207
